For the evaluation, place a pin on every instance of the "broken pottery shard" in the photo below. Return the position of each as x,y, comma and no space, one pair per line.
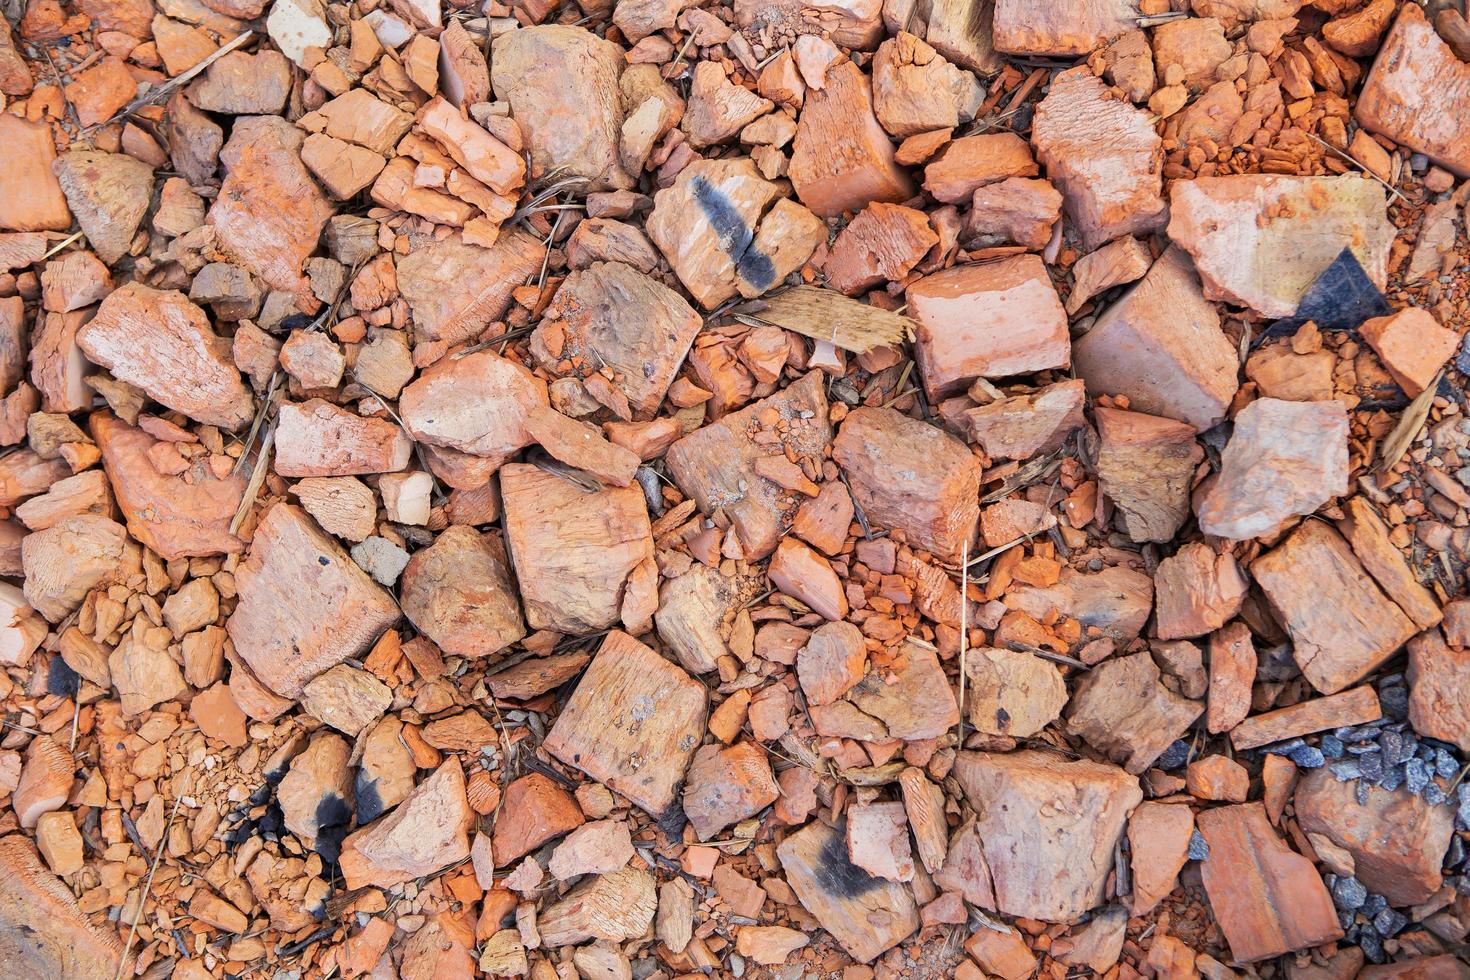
1284,459
715,465
455,289
1397,839
1418,93
1116,600
1158,837
562,86
633,723
1267,898
1103,155
574,550
269,213
30,195
1412,345
1334,643
1368,535
66,561
304,604
1161,345
109,194
1120,261
804,575
46,935
613,907
426,832
696,613
989,320
317,438
535,810
1122,709
1439,689
159,341
1146,465
1046,828
181,515
1356,707
865,914
727,785
477,404
842,159
910,477
1196,591
1023,426
912,698
600,847
1060,30
611,316
459,593
1012,692
1260,240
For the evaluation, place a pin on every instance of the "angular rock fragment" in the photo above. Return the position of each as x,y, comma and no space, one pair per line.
1338,643
30,195
972,162
66,561
477,404
459,593
1116,600
1161,345
866,915
1023,426
613,907
842,159
244,84
915,90
1121,708
162,343
715,465
990,320
1013,210
346,698
804,575
562,86
574,551
1366,532
1356,707
633,723
912,699
696,614
878,840
269,213
45,781
1397,840
1418,93
304,605
109,194
884,242
1146,465
1027,29
600,847
455,289
1438,677
1412,345
1046,830
727,785
1260,240
1158,837
718,108
316,793
1267,899
1012,692
483,157
316,438
1120,261
611,316
1232,672
357,117
910,477
426,832
1103,155
535,810
1196,591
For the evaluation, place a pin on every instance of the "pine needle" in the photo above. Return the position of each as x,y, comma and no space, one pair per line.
122,964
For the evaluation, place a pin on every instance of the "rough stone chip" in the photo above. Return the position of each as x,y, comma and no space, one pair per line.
109,194
1418,93
1122,709
1146,465
426,832
1012,692
459,593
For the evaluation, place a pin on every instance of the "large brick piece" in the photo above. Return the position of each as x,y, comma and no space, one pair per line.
1418,93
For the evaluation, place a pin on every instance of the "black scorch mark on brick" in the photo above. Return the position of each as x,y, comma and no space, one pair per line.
837,875
736,240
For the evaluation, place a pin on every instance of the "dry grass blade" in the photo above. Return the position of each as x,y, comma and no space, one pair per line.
1410,423
122,964
1355,162
257,479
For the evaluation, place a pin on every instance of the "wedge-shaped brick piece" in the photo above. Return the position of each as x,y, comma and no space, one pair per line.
1158,837
842,158
1412,345
1102,153
455,289
47,935
65,562
30,196
1439,679
991,320
1366,532
1047,829
727,785
633,723
316,438
109,194
574,550
1284,459
915,90
1146,465
428,831
1356,707
1334,642
1260,240
157,340
612,316
304,604
1267,898
459,593
1023,426
478,404
910,477
715,465
1196,591
1161,345
1121,708
867,915
181,515
1060,29
1418,93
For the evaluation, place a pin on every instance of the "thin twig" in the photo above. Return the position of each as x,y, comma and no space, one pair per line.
964,636
159,92
1357,163
147,887
257,478
61,245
